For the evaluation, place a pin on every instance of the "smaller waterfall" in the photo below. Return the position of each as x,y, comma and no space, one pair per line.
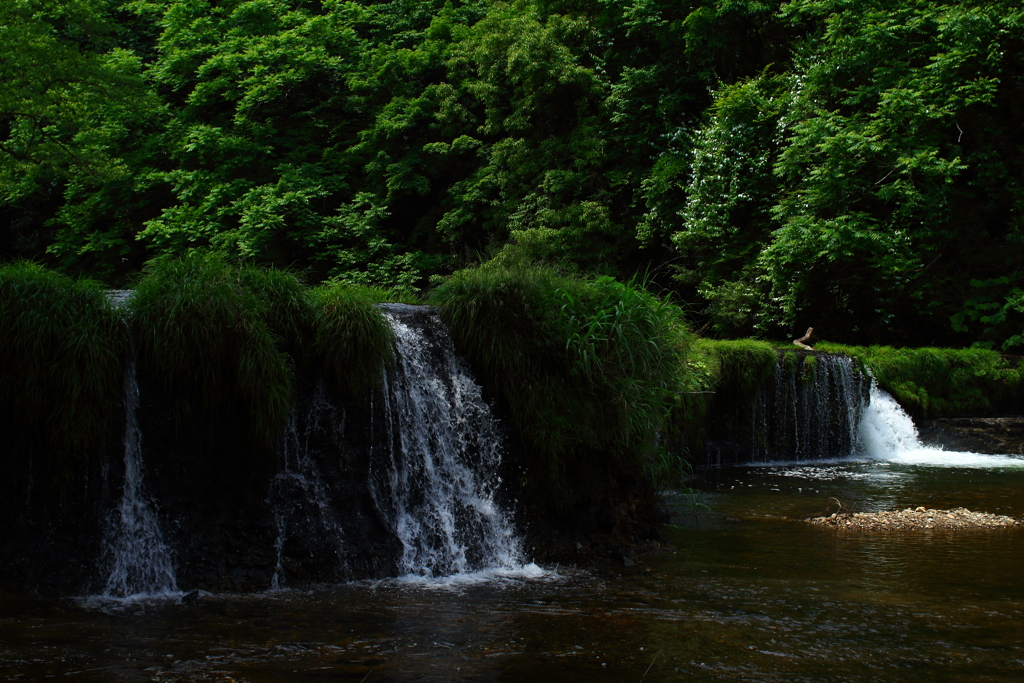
886,432
303,512
437,481
811,413
140,563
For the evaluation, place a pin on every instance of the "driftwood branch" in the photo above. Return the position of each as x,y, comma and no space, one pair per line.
800,342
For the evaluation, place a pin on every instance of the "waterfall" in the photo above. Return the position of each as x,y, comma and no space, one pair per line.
436,476
140,562
299,499
887,433
810,414
823,407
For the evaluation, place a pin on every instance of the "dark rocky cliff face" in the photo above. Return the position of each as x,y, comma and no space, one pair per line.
235,516
994,435
53,514
52,534
220,503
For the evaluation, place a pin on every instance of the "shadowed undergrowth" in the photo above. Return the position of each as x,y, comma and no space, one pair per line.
62,345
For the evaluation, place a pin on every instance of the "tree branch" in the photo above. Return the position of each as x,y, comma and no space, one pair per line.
800,342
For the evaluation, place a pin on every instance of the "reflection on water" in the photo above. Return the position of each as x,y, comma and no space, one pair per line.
748,594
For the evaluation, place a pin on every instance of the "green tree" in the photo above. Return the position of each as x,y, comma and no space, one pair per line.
898,174
72,99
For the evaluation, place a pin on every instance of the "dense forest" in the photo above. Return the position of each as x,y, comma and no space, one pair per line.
856,165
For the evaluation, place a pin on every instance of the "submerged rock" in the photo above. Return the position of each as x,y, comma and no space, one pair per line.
916,518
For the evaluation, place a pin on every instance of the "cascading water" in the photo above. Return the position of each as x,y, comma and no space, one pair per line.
810,416
825,408
438,476
299,498
886,432
140,563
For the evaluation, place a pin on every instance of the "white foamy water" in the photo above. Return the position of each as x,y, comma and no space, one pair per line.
527,572
139,561
437,481
887,433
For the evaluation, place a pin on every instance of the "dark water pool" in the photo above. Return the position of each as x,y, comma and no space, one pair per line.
748,594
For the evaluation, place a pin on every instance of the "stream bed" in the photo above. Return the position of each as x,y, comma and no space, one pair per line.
746,592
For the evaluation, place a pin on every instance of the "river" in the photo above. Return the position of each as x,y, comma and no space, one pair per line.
746,592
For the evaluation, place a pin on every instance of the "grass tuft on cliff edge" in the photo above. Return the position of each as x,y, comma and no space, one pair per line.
62,348
219,335
213,334
589,370
351,340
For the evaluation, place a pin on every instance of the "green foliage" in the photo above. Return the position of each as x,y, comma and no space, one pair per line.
62,346
588,369
352,341
931,382
998,305
850,164
206,335
72,109
726,219
874,152
866,182
66,88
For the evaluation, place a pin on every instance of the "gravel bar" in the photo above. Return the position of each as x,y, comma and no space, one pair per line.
916,518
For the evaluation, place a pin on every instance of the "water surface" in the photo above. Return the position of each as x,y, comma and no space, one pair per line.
747,593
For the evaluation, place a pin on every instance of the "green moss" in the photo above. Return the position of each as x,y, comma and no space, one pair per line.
740,370
746,364
930,382
588,369
808,368
62,349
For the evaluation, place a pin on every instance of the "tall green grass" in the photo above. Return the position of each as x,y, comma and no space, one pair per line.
930,382
223,337
62,346
351,340
284,300
213,334
588,369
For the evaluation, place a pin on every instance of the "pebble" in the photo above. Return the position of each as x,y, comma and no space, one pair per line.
916,518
